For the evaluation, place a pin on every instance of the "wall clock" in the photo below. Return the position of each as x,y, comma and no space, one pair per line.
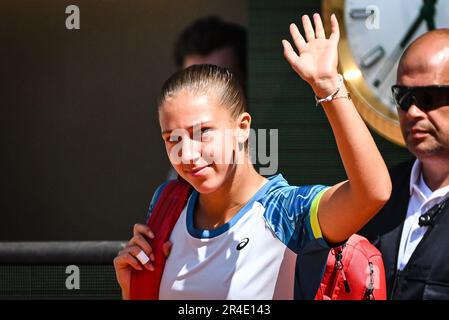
374,33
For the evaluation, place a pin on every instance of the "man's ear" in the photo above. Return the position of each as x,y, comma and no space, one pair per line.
244,126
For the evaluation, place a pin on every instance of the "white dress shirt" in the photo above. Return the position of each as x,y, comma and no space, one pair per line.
421,200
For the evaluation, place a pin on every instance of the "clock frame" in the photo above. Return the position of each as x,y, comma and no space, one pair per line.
378,116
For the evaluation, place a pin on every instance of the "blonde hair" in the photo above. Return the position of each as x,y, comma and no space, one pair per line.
207,79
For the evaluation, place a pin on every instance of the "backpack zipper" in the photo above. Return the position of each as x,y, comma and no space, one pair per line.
338,268
370,289
339,264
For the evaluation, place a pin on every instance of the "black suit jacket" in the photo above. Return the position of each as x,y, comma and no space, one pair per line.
426,275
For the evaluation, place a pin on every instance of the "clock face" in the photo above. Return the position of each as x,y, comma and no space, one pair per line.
374,34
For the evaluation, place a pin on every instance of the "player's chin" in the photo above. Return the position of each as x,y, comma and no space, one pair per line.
205,183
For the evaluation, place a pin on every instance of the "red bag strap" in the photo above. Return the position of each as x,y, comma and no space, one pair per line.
172,200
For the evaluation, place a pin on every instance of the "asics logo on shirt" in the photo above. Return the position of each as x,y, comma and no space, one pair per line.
242,244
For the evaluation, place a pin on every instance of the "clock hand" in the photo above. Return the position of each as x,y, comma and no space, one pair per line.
427,12
430,24
430,16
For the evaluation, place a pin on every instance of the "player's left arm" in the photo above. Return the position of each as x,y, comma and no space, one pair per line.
347,206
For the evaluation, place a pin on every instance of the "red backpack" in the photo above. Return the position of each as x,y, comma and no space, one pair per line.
354,271
172,200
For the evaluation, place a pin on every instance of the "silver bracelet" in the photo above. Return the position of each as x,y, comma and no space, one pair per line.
332,95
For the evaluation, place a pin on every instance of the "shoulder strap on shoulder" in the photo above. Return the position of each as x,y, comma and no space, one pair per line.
172,200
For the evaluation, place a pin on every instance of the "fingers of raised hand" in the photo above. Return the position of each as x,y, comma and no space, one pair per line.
335,35
289,53
297,37
319,30
308,28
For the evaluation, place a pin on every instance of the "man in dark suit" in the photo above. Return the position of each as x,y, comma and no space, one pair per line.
412,230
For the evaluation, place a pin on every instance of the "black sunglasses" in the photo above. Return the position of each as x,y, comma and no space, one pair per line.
425,98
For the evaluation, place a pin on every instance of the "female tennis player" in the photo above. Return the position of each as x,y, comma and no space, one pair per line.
242,235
